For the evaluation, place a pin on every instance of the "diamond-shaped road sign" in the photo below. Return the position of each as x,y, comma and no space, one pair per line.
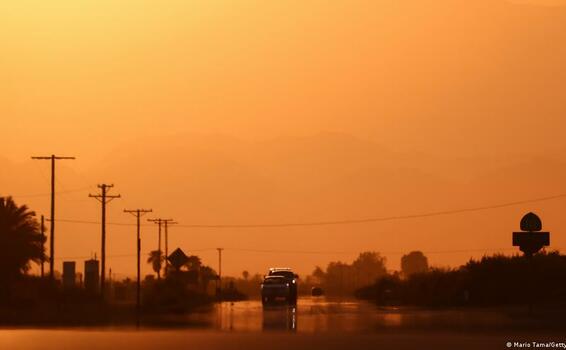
178,258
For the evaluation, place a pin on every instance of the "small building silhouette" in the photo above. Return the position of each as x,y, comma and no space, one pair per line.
92,273
69,274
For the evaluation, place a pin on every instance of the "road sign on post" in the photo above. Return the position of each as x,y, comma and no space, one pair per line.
177,259
531,239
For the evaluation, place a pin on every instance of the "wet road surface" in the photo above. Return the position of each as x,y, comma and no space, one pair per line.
317,315
315,323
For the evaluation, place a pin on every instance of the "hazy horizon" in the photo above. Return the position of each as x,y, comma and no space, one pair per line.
276,112
234,181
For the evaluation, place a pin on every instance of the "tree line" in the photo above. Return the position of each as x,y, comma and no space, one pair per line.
491,280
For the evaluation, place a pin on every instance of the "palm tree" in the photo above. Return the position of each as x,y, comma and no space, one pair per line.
20,240
156,259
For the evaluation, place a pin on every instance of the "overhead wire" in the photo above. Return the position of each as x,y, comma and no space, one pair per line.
319,252
342,222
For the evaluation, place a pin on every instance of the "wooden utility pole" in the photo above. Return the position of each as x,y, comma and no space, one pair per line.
43,245
159,222
167,222
53,158
104,198
219,289
138,213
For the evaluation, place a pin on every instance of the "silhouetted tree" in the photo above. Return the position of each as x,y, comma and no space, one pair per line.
491,280
193,263
250,286
368,267
155,258
245,274
318,274
339,278
20,240
343,279
414,262
207,274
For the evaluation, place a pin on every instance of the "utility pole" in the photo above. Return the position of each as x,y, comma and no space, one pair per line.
104,198
219,289
43,245
138,213
167,222
159,221
53,158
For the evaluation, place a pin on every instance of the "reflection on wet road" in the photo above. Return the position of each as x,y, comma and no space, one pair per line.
313,315
315,323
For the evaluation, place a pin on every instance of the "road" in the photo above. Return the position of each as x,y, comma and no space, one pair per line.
312,324
319,315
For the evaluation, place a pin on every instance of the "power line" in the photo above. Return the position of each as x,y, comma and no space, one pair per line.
125,255
270,251
379,219
90,222
322,252
318,252
347,222
48,194
90,257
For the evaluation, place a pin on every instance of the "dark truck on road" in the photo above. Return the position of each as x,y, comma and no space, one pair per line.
279,284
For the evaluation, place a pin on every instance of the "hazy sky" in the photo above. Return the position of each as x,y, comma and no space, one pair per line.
281,111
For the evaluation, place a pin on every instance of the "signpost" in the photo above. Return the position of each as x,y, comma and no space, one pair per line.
530,241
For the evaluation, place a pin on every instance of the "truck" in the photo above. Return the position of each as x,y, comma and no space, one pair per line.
279,283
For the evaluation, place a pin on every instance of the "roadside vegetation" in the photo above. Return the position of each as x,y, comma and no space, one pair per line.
492,280
186,284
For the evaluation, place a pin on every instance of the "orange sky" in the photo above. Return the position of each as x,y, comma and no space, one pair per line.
263,111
